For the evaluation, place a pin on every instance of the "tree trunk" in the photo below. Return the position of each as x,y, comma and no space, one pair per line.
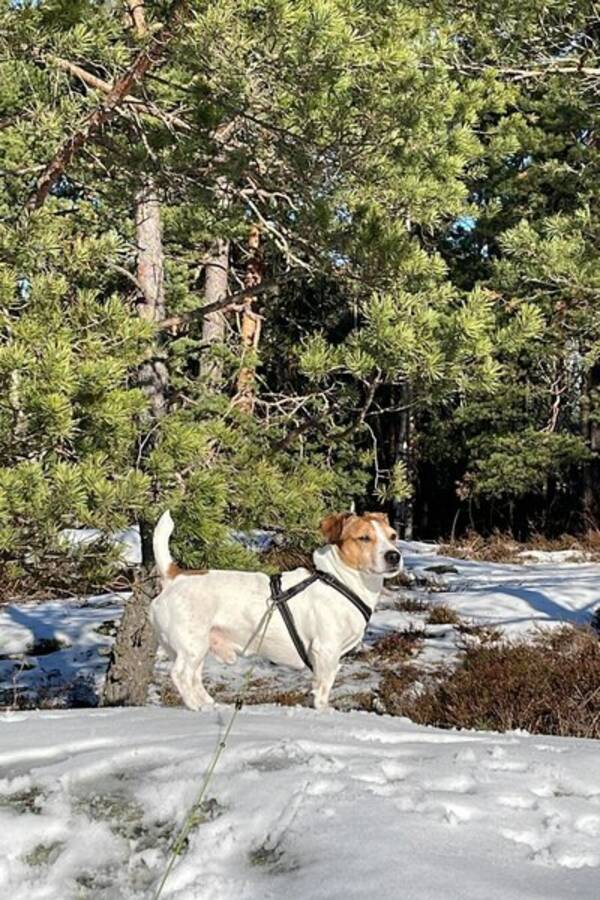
152,375
590,427
131,663
400,436
250,324
213,324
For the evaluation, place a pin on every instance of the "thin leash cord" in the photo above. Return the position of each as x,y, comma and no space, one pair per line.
190,819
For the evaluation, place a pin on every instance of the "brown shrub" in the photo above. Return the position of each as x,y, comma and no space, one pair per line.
485,634
401,580
412,604
394,690
550,685
500,547
442,614
399,644
496,548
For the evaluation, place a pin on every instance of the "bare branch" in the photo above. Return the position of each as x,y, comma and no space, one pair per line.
106,87
229,302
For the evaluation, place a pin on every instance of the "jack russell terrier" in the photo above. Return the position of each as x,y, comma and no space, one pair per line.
219,611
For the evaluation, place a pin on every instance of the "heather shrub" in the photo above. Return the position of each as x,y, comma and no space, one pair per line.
550,685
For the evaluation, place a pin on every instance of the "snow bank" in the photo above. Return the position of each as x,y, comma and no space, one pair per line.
303,805
128,541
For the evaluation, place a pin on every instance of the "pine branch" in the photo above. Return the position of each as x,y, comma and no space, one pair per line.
99,84
231,301
104,113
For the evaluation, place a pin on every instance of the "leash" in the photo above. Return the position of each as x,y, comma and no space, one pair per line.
190,819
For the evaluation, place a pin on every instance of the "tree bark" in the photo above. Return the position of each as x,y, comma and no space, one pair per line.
132,659
152,375
399,438
590,409
131,663
213,325
250,332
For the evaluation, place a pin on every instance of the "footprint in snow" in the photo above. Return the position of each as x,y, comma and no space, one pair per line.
588,824
449,812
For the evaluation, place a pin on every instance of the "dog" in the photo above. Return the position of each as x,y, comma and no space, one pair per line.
219,611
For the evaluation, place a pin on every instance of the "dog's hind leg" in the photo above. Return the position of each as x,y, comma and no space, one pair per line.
202,696
187,677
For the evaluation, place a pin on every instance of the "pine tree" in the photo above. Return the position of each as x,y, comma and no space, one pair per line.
532,240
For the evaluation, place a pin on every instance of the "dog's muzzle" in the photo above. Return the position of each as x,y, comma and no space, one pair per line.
393,559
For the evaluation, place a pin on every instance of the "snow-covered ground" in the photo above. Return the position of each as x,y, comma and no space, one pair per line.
47,646
544,592
303,805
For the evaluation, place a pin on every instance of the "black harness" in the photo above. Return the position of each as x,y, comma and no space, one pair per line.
280,599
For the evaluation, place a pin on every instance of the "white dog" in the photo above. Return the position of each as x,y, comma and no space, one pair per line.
199,611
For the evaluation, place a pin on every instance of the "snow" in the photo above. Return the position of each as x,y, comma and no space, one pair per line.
128,541
304,805
44,646
516,598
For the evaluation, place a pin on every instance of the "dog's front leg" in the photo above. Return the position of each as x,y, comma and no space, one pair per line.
326,663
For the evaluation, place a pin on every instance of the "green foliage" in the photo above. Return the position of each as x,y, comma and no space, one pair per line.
520,464
427,205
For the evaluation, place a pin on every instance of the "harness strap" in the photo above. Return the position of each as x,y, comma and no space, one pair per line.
280,599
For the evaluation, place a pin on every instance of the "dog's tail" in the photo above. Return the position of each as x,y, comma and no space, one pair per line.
160,545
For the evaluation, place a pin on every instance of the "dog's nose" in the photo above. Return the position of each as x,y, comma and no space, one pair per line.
392,557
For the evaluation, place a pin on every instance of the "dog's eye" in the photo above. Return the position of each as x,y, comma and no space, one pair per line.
364,537
393,536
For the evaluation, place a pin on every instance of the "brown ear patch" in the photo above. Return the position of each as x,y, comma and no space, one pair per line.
332,527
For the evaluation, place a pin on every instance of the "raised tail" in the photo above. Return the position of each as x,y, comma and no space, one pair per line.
160,545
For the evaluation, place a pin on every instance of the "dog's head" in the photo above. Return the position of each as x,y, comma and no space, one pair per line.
366,542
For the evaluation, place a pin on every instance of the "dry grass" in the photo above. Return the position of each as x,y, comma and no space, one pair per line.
502,547
260,691
412,605
77,693
398,645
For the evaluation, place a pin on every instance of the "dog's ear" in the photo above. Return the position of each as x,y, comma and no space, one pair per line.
333,526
